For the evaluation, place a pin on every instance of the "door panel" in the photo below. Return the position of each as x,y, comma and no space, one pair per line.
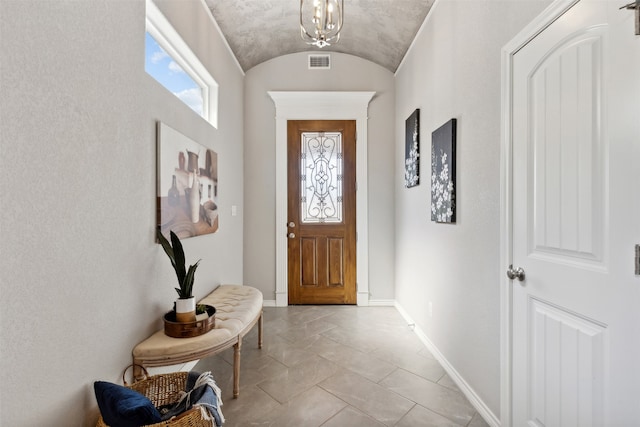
335,263
567,159
575,331
308,261
321,211
567,368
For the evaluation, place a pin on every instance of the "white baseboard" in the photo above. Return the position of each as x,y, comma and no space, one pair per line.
382,303
374,302
465,388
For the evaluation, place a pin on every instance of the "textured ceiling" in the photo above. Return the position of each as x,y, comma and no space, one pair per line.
378,30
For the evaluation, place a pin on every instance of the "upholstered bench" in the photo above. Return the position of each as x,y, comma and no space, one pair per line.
238,309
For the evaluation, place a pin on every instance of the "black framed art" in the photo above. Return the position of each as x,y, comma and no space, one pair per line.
412,150
443,173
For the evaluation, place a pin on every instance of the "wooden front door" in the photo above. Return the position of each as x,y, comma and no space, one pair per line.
576,212
321,211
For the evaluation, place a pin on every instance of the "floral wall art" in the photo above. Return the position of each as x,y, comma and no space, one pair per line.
412,150
443,173
187,188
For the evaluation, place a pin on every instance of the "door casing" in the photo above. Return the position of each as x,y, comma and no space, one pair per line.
321,106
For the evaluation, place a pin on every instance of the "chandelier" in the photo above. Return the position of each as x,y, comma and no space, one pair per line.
323,19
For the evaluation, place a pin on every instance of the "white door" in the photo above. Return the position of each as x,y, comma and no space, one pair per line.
576,215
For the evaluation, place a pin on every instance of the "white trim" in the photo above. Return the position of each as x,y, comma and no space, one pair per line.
362,296
168,38
546,18
382,303
322,106
371,303
464,387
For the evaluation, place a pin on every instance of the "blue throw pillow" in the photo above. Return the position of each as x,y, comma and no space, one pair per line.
123,407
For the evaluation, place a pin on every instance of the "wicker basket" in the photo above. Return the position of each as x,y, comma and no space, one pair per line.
165,389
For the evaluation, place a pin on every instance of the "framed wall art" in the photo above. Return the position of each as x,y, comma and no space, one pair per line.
412,150
443,173
187,187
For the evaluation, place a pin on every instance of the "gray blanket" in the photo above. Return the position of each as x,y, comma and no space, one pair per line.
201,391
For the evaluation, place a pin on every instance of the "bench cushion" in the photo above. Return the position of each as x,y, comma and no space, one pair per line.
236,307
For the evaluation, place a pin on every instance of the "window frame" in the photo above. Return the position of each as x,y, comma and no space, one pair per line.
168,39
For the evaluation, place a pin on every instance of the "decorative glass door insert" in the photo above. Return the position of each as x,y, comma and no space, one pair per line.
321,174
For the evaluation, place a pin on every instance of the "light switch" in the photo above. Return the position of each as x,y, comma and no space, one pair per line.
234,210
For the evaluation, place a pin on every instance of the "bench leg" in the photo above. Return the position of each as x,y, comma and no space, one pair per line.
260,331
236,368
138,372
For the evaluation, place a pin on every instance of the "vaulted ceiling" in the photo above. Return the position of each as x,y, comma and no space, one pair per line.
378,30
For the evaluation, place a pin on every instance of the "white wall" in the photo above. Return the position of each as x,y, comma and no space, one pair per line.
290,73
453,71
82,280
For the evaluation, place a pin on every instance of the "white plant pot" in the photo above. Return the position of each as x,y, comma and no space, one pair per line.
186,309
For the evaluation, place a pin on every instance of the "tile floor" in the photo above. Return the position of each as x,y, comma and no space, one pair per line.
338,366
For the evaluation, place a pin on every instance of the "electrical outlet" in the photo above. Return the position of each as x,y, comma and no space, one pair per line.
430,309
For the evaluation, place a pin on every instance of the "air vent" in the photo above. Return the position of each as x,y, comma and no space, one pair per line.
320,62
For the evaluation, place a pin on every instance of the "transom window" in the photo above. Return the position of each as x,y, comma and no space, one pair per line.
170,61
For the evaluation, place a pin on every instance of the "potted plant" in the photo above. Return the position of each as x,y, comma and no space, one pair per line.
186,303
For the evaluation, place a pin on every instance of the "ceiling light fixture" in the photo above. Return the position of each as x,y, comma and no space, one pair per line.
324,21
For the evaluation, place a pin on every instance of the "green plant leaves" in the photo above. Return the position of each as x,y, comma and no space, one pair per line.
176,254
188,280
166,246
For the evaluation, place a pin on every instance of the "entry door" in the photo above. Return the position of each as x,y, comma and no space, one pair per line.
576,215
322,212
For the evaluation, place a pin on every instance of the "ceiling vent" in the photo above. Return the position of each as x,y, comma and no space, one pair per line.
320,62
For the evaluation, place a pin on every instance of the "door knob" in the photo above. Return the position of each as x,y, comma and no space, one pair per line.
292,235
291,224
517,273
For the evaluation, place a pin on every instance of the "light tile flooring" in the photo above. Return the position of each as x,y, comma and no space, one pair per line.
338,366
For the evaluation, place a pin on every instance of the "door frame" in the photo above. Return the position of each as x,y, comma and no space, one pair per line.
535,27
322,106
